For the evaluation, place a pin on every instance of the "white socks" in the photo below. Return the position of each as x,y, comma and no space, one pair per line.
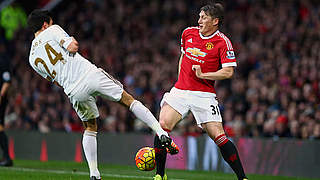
144,114
89,143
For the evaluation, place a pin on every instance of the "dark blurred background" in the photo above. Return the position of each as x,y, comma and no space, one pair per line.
274,93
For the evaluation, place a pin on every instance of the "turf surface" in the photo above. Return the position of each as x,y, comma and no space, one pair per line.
58,170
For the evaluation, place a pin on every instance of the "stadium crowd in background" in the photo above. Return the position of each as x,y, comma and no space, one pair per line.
275,92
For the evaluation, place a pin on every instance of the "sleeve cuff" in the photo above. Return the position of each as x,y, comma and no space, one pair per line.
229,64
183,52
66,42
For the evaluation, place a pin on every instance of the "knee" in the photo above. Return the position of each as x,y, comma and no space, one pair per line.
166,123
94,129
163,124
214,129
126,99
90,125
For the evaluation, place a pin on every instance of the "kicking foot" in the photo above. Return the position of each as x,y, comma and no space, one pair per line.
168,143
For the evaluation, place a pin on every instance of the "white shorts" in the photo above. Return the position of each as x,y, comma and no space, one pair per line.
96,83
203,105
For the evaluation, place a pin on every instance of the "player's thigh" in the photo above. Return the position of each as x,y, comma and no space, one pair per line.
205,109
106,86
214,129
169,117
174,107
85,108
90,125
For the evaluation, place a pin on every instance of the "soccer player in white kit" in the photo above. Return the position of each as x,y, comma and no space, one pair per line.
206,56
54,56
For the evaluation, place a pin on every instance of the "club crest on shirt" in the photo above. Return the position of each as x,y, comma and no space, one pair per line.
209,45
196,52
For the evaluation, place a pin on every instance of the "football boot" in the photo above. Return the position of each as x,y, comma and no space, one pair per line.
168,143
6,162
158,177
94,178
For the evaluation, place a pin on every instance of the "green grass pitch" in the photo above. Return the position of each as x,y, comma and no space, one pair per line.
61,170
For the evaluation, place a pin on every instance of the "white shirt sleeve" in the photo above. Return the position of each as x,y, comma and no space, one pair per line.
61,36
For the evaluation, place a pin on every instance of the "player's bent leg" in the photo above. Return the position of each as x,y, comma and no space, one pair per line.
89,143
142,113
168,119
228,150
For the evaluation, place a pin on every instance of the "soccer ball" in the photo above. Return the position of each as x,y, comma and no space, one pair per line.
145,159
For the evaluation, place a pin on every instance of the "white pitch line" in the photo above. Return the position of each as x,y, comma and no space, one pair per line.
76,172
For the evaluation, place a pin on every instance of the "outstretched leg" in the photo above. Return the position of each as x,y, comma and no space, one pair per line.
141,112
89,143
228,149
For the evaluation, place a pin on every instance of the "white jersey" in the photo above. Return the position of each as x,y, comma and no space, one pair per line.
50,58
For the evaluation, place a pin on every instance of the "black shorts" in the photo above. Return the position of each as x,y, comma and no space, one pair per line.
3,105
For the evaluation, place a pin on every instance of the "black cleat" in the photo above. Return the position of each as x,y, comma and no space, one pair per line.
94,178
6,162
168,143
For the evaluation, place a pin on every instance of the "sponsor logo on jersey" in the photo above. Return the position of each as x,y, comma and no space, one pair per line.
196,52
190,40
209,45
230,55
194,59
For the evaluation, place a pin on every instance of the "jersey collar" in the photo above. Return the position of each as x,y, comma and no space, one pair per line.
208,37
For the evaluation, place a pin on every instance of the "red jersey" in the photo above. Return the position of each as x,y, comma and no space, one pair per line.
211,53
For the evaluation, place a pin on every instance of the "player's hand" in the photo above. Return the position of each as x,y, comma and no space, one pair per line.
198,71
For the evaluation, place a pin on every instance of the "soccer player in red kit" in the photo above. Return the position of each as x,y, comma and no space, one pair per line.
207,55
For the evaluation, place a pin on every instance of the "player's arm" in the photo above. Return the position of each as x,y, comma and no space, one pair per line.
182,49
65,41
224,73
4,88
70,43
180,60
228,62
73,46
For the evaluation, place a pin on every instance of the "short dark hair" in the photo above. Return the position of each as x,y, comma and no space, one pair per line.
36,19
215,10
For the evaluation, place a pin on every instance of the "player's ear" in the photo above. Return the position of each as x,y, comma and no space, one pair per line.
45,25
215,21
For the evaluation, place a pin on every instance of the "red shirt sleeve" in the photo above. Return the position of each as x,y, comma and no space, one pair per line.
183,50
227,55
